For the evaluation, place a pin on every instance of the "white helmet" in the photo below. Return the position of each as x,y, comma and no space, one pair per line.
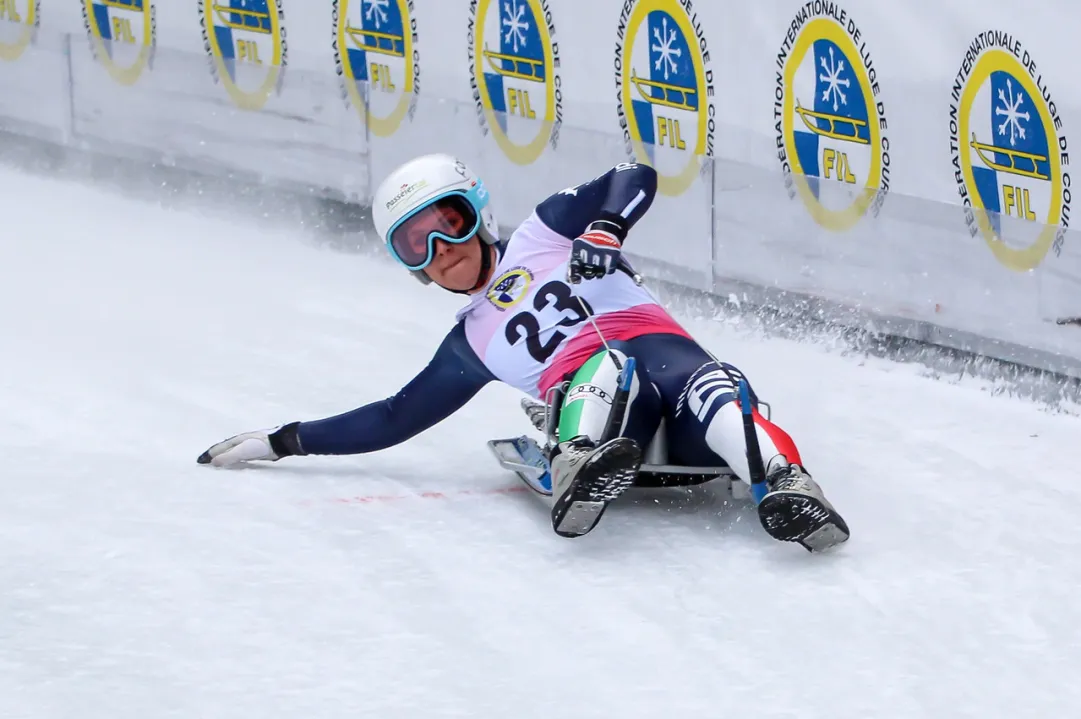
416,194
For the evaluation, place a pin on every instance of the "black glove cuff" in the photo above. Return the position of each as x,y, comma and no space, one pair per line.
611,222
286,441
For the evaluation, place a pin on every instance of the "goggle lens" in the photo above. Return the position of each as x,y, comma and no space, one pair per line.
451,218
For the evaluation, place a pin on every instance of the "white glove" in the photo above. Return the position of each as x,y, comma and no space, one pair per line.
265,444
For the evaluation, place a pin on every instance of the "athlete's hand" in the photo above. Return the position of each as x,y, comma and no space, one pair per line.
265,444
595,253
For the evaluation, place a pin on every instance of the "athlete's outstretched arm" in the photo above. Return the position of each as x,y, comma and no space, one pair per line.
615,201
452,378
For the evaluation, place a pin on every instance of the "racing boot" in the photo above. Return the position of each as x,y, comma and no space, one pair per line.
795,509
586,478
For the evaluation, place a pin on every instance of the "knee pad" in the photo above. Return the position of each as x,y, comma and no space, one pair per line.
711,416
710,387
590,396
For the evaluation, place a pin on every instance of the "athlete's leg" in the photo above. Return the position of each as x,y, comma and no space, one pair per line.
588,400
586,473
701,399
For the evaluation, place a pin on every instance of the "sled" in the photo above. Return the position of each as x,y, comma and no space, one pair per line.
527,458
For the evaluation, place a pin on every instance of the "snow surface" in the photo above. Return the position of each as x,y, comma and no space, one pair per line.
421,581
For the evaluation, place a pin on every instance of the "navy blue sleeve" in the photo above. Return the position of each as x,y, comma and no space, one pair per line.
452,378
621,195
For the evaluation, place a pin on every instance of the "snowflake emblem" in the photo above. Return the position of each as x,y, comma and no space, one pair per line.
376,12
666,48
1013,113
515,23
832,77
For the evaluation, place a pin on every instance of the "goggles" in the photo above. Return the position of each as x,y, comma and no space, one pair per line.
453,217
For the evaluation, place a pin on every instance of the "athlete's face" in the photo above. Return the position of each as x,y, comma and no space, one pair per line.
456,266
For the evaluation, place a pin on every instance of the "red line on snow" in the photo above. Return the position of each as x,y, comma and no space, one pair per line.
382,498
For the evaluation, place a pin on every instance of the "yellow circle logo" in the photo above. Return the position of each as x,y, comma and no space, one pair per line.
665,82
245,40
510,287
1009,152
375,49
832,134
122,35
514,73
19,21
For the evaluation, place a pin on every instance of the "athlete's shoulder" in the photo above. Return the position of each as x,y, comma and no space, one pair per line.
456,356
534,231
455,342
626,188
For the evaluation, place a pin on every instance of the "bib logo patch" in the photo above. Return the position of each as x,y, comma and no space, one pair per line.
509,288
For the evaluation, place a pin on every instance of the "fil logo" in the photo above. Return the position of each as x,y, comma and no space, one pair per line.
514,73
377,56
245,43
665,104
1009,152
830,119
19,22
122,36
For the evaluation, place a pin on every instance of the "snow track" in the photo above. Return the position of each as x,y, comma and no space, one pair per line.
420,582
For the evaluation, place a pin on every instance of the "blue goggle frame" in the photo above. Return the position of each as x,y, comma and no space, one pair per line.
476,196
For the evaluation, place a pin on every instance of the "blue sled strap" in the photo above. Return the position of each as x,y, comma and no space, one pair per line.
754,452
619,402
